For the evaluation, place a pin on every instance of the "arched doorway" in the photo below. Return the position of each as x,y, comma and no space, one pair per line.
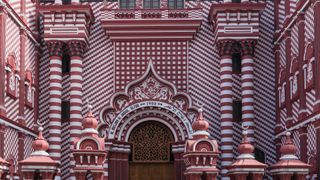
151,157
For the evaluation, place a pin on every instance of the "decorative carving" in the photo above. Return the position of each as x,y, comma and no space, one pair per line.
204,146
89,144
164,4
150,89
76,48
247,47
225,47
151,142
55,48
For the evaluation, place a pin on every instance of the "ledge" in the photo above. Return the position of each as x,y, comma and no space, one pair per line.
17,126
128,24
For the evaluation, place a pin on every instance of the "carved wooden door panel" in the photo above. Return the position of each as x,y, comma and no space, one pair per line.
151,152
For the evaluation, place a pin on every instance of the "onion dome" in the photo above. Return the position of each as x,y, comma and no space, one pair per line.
90,123
288,150
200,126
245,147
40,145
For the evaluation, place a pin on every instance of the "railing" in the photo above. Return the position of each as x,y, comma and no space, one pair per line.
151,13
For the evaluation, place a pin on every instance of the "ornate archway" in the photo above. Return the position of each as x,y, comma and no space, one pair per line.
149,98
151,156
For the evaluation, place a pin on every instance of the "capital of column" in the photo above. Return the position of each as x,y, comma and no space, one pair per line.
55,48
76,47
225,47
247,47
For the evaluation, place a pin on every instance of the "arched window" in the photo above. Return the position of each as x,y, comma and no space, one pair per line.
127,4
175,4
151,4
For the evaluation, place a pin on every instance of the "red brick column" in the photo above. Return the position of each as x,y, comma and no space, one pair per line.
21,139
302,94
317,126
3,16
287,88
22,96
2,131
303,133
316,9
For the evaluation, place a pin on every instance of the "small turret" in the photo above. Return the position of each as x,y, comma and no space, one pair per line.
246,166
39,164
201,152
289,164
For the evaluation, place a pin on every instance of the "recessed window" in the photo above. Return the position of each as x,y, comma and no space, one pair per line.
175,4
237,110
127,4
66,1
151,4
236,63
65,111
236,1
65,64
259,155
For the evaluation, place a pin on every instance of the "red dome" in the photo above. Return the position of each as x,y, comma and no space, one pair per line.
90,121
40,144
200,124
245,147
288,147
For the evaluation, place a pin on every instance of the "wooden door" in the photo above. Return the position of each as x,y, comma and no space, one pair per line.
151,157
151,171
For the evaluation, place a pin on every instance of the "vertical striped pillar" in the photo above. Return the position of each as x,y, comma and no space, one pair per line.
76,49
55,90
247,88
226,94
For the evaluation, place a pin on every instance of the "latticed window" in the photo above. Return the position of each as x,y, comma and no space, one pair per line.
175,4
151,143
151,4
127,4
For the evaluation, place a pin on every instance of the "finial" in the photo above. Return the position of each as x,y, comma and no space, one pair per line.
288,150
40,145
245,148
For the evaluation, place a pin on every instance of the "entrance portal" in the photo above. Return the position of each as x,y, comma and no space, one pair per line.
151,157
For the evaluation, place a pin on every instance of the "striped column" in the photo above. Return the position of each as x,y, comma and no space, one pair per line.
247,88
76,49
55,90
226,94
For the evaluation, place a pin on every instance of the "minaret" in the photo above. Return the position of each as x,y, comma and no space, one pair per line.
289,164
39,164
201,152
246,166
89,150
